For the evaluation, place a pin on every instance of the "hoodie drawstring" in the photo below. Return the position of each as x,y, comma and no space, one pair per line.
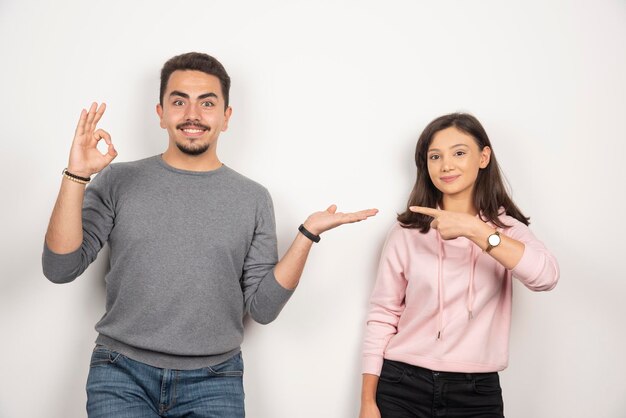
440,284
470,287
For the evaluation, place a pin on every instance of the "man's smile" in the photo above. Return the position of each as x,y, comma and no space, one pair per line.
192,129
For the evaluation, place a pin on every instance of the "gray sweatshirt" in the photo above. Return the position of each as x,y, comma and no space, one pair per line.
191,254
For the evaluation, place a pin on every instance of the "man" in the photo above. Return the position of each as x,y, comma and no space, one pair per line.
193,249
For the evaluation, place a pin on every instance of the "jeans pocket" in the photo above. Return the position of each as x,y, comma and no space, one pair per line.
233,367
102,356
488,384
392,372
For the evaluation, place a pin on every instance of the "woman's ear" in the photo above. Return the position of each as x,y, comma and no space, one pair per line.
485,157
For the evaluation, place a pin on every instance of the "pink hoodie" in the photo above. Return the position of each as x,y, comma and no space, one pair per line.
445,305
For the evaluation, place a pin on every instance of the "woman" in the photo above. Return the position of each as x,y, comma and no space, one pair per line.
440,312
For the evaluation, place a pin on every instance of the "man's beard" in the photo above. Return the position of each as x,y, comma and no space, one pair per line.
191,150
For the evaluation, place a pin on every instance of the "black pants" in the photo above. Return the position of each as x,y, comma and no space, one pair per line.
406,391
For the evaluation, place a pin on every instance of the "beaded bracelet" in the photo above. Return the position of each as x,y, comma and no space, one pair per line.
75,178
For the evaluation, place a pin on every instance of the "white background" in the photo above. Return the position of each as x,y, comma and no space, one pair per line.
329,99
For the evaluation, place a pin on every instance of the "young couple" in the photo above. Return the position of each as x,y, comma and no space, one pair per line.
193,250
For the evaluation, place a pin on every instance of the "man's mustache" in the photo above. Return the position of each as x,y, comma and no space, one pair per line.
195,125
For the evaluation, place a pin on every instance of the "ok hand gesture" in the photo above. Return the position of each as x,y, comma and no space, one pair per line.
85,158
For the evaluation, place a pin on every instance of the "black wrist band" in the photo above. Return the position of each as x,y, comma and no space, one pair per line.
67,173
308,234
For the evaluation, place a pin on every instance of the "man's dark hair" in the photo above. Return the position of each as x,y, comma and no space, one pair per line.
490,193
195,61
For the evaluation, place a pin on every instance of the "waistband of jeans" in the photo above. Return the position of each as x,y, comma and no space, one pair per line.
449,375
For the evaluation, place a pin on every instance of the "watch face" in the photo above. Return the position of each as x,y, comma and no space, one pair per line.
493,240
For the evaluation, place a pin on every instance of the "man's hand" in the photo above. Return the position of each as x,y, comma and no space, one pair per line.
450,225
320,222
289,268
85,158
65,230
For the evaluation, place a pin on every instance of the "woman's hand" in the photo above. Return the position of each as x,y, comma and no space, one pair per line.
369,409
85,158
454,224
451,225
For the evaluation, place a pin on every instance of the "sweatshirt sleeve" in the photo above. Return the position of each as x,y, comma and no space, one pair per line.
386,301
98,218
538,269
264,297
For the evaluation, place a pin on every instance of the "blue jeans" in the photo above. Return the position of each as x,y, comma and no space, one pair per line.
123,388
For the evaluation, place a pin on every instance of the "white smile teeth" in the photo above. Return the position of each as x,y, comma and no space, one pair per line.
192,131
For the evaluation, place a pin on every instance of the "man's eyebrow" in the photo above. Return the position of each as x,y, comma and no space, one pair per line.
179,93
186,96
205,95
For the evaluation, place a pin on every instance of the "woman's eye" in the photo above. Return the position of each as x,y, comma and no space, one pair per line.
433,157
459,153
